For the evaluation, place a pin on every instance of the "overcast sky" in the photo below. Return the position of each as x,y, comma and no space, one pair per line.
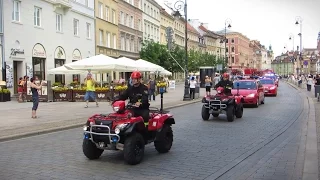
269,21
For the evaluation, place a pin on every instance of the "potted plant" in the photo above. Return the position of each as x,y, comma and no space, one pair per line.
6,95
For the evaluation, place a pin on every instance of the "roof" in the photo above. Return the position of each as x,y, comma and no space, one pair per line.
165,13
192,29
208,32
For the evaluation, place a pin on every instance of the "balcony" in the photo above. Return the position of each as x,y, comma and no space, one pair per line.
65,5
107,51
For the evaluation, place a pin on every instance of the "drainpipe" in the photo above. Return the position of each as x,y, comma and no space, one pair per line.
2,41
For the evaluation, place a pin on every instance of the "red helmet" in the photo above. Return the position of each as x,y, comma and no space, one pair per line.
135,75
225,75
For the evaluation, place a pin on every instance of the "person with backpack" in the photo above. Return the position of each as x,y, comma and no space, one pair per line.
152,89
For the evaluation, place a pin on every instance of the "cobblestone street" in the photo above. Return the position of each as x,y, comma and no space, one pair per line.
267,143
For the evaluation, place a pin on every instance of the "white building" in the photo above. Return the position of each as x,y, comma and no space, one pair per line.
151,20
43,34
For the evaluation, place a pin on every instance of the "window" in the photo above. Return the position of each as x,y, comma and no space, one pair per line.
88,30
100,37
145,8
227,49
227,40
232,59
59,22
16,11
38,65
75,77
139,4
113,16
132,22
152,12
232,40
37,16
139,24
232,49
114,41
132,45
76,27
122,43
121,18
127,44
107,13
127,20
59,77
100,10
108,40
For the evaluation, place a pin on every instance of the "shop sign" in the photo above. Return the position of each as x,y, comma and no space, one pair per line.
14,51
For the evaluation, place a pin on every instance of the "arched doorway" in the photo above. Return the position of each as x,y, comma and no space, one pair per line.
59,60
76,56
39,57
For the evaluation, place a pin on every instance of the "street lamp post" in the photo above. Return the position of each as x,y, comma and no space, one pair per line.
291,38
182,6
299,22
227,24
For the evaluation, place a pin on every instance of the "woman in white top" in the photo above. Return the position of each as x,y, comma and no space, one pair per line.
193,84
309,83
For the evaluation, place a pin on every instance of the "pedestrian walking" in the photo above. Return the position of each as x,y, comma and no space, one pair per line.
152,89
34,86
208,85
193,84
90,84
309,83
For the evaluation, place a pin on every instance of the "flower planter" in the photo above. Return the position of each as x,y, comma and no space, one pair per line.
2,97
7,96
62,95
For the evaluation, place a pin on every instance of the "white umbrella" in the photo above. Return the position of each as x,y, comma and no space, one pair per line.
166,73
101,63
151,66
64,70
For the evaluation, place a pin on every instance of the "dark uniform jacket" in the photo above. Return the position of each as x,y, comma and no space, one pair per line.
136,94
226,84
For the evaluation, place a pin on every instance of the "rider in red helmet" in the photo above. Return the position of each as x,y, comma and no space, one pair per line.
225,83
138,96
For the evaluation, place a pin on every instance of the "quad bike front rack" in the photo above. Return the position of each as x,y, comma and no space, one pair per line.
112,136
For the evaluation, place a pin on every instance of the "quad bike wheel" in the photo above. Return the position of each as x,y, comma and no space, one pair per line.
215,114
239,111
90,150
230,113
205,113
133,150
164,139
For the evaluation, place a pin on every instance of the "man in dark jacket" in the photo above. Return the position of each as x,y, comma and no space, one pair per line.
225,83
138,96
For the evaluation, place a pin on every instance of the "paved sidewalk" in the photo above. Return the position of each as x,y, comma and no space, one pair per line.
311,163
16,118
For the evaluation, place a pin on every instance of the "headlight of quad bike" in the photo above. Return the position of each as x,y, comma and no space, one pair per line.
116,108
85,128
120,127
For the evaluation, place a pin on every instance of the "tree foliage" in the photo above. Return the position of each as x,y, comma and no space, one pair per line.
159,54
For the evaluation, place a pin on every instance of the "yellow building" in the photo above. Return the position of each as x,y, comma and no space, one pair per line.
179,32
106,27
166,21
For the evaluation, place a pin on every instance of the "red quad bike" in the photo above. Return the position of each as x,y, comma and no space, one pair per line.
222,104
121,131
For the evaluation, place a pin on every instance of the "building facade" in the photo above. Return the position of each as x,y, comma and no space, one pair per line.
106,30
193,38
238,50
151,20
130,28
179,32
2,66
166,20
63,31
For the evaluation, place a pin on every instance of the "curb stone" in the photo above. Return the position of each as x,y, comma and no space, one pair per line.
311,164
76,125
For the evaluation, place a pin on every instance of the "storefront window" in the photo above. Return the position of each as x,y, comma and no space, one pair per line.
38,66
59,77
76,77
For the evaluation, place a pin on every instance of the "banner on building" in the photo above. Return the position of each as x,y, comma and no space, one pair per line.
9,75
